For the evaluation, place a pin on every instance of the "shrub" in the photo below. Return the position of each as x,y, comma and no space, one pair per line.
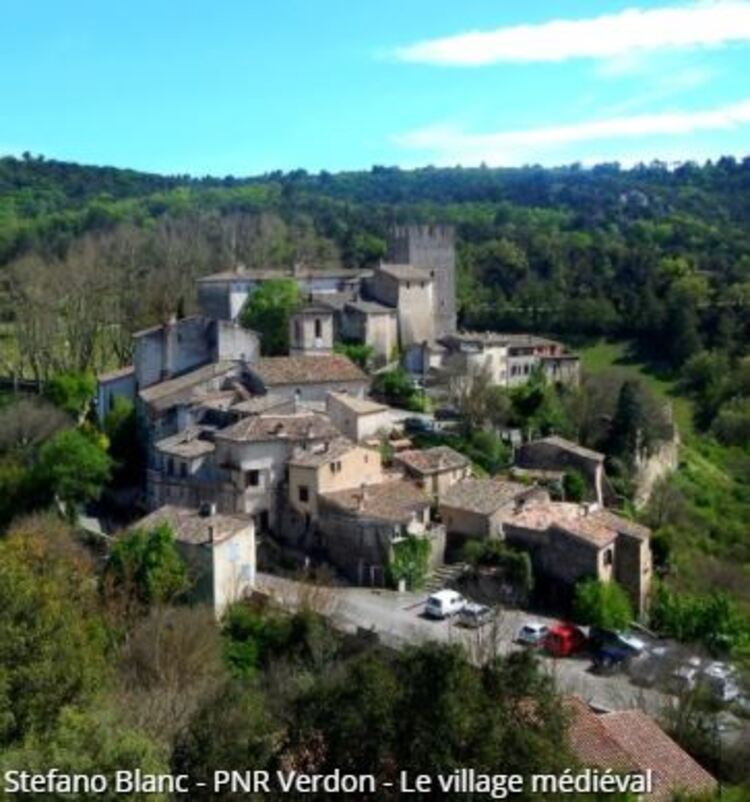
602,604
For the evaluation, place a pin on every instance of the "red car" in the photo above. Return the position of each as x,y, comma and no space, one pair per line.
564,639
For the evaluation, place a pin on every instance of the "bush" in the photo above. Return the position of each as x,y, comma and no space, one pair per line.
359,353
71,392
268,310
410,562
602,604
574,485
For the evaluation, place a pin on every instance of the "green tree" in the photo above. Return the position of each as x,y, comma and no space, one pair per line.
410,562
124,445
74,468
71,392
602,604
268,311
147,565
51,637
574,485
88,742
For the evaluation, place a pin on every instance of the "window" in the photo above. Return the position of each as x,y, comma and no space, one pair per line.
297,331
608,557
318,328
408,285
304,493
252,479
170,466
183,470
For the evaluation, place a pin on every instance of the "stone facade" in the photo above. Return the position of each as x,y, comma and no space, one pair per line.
357,418
311,331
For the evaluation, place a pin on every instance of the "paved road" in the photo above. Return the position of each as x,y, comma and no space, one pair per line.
397,619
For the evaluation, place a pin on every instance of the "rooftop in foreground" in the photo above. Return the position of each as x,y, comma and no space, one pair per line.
189,526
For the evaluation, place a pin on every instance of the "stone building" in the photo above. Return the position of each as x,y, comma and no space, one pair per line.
477,507
311,330
370,322
360,527
558,454
219,551
571,542
358,418
432,248
327,468
409,290
434,469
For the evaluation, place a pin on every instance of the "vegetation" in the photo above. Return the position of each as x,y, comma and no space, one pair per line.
410,562
395,387
359,353
71,392
602,604
268,311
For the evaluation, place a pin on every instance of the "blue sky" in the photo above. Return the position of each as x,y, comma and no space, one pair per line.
242,87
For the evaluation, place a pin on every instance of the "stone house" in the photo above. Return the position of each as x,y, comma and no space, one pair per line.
112,385
357,418
434,469
558,454
326,468
477,507
307,378
372,323
409,290
218,550
360,527
571,542
311,330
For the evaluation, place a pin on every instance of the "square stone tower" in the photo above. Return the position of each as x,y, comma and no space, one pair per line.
431,247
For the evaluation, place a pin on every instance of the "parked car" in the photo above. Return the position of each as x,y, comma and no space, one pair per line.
610,659
685,677
416,425
721,681
532,634
474,615
625,640
444,604
564,640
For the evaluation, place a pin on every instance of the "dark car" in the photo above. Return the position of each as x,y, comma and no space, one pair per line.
611,659
418,425
447,413
626,641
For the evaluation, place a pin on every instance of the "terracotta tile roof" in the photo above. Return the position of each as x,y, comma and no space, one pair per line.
630,740
405,272
361,406
189,526
623,525
587,527
300,426
432,460
262,403
395,501
323,454
540,516
279,370
484,496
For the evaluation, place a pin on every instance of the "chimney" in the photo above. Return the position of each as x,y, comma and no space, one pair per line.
211,533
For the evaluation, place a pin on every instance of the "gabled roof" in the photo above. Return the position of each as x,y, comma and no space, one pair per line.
631,741
570,446
295,427
432,460
484,496
114,375
323,454
370,307
189,443
189,526
281,370
180,389
395,501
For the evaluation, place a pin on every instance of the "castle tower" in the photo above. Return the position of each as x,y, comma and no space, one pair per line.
311,330
431,247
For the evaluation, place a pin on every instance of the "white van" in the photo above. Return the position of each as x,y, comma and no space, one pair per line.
444,604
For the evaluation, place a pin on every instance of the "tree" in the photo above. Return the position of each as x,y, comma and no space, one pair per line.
147,565
268,311
89,742
71,392
602,604
51,637
74,468
574,485
27,423
410,562
120,426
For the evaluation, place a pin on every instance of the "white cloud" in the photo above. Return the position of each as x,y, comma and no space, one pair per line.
612,36
450,144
